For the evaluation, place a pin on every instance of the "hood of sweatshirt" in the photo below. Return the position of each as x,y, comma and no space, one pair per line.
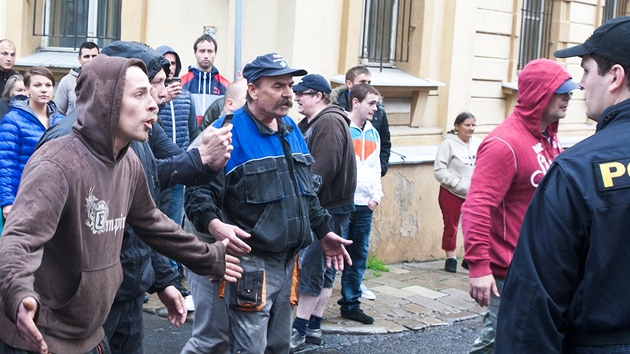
332,108
153,60
537,83
164,49
99,97
455,138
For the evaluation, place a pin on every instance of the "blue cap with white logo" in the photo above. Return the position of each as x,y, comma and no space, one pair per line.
270,64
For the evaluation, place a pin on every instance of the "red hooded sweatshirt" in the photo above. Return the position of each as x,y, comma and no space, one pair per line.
511,161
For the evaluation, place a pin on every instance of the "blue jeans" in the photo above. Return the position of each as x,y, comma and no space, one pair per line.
484,343
124,326
359,232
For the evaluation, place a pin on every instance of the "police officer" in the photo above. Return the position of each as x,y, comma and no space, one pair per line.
568,289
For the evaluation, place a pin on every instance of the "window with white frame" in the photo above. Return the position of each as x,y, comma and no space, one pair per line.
385,32
535,40
68,23
614,8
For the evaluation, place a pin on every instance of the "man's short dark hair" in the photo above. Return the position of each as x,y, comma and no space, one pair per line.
352,73
360,92
604,65
207,38
89,45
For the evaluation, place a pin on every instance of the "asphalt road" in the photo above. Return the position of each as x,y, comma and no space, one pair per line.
162,338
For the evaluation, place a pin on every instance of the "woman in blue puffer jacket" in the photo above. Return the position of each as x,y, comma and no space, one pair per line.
21,128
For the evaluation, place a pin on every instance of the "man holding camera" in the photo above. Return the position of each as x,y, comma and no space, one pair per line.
179,120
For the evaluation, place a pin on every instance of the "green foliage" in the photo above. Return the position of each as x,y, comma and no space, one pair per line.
376,266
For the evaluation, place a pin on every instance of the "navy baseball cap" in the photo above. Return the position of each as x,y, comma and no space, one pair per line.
609,40
314,82
568,86
271,64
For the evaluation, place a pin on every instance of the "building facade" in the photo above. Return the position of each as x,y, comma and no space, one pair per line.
430,59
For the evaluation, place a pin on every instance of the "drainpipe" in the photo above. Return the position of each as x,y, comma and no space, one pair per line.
238,36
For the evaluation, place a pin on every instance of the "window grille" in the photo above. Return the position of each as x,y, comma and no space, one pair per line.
69,23
614,8
535,31
385,32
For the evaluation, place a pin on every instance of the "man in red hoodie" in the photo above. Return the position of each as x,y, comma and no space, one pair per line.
511,161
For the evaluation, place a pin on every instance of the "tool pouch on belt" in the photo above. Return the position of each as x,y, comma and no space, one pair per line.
249,293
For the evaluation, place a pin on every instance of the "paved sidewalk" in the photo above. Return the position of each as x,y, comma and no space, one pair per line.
411,296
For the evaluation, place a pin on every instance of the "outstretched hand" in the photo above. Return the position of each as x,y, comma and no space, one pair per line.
26,326
333,247
222,231
233,271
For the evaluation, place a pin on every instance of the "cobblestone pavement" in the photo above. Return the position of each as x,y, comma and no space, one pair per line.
411,296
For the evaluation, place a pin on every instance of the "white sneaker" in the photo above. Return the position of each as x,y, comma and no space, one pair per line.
366,293
189,303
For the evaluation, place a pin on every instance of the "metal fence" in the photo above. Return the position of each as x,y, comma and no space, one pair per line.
614,8
69,23
386,32
535,31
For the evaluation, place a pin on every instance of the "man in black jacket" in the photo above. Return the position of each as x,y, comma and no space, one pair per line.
7,59
567,289
339,96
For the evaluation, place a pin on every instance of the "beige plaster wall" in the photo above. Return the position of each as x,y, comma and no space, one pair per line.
408,224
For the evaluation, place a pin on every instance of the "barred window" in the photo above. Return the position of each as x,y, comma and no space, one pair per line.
614,8
69,23
385,32
535,30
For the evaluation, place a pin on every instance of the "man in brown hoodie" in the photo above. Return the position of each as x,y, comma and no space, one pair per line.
61,244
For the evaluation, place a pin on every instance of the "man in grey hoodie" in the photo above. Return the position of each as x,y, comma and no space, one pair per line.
64,95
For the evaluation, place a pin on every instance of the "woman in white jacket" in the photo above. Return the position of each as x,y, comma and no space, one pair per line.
453,168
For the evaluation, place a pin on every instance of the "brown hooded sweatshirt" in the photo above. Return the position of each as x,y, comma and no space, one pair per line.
61,244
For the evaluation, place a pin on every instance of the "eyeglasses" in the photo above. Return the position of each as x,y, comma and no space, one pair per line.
309,93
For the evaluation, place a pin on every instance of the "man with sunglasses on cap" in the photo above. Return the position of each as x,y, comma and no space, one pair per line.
568,290
266,205
325,129
511,161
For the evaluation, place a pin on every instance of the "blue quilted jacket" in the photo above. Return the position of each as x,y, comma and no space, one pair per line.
20,131
179,120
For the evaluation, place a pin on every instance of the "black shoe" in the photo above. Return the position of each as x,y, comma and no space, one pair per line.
450,265
357,315
464,264
314,336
